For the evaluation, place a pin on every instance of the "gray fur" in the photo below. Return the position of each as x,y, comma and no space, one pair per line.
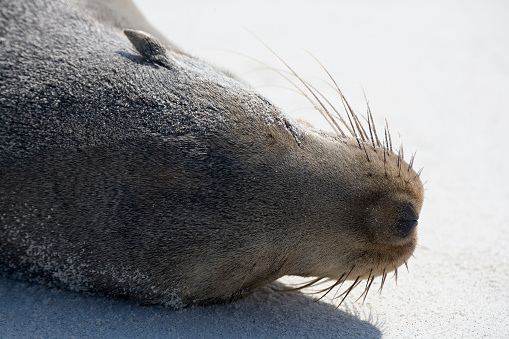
173,185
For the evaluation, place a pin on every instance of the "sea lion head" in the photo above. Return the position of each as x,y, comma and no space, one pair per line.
342,206
369,197
373,199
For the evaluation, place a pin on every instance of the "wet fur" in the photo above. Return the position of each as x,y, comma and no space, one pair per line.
173,183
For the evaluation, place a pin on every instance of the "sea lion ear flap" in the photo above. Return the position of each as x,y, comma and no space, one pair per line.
149,47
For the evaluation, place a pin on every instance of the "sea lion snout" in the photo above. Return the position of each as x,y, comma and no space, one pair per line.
407,221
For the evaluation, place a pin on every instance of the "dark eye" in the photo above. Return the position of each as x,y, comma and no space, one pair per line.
407,220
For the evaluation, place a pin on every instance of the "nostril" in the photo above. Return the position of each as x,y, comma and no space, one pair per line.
407,220
404,228
407,213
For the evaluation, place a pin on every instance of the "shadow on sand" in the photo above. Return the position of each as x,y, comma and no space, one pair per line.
32,310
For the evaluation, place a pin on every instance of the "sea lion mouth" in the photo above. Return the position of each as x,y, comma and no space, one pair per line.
407,221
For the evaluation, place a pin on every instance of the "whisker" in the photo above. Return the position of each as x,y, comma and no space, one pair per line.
338,115
399,163
367,289
334,108
361,129
299,78
325,114
396,276
347,292
385,163
339,282
400,159
346,105
324,106
327,289
401,148
386,140
384,276
307,284
369,281
372,121
411,163
418,174
388,133
371,133
366,152
323,111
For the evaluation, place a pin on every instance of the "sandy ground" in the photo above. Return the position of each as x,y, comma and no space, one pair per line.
439,72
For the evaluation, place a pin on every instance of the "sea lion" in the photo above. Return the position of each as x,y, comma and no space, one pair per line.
145,173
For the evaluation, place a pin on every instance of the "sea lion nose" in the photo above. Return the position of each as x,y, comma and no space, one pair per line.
407,220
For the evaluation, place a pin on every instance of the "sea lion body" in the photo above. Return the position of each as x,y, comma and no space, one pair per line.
173,183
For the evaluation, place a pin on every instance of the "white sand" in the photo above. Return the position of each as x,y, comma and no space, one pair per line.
439,72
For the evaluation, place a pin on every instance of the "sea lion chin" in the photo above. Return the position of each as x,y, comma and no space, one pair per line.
130,169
